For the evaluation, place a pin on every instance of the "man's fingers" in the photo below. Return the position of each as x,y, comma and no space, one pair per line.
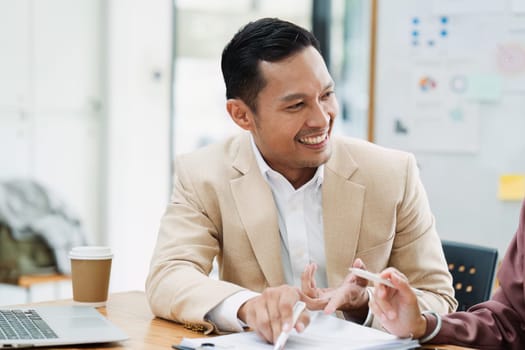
314,303
336,300
358,263
306,285
306,279
277,314
302,322
258,319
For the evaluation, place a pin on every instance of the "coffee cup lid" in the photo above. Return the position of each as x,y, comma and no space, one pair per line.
91,253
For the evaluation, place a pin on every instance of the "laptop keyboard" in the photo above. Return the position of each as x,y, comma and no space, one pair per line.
24,324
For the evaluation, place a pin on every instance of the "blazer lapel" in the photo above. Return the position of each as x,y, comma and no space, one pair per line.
254,201
343,202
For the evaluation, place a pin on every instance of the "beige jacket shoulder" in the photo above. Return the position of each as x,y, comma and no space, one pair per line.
374,208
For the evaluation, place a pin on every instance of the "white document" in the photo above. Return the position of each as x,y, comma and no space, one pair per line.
324,332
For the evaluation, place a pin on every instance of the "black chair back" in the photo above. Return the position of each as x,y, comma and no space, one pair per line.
472,268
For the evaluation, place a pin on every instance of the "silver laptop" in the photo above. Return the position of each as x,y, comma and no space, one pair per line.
55,325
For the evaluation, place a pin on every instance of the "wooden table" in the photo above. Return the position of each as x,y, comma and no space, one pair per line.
131,313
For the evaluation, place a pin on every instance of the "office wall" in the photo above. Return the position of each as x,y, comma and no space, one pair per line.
139,60
450,87
85,109
51,110
51,99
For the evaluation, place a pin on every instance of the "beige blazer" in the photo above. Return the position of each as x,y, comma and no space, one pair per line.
374,208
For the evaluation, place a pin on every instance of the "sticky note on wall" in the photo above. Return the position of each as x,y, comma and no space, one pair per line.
484,87
511,187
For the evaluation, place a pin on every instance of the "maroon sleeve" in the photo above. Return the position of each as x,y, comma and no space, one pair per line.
500,322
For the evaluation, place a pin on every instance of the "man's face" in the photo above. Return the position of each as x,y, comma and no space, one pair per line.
295,114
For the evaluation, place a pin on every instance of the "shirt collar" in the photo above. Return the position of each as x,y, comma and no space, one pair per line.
264,168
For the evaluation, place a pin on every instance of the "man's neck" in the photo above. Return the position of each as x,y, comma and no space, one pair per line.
299,177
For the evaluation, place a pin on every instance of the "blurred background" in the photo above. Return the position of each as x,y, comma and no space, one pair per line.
97,97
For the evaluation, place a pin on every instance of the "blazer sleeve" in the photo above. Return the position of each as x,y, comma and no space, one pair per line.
178,287
500,322
417,249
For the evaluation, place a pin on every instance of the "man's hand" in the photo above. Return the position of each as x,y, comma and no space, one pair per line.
350,297
272,311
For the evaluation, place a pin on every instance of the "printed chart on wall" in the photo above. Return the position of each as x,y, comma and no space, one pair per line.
450,88
440,64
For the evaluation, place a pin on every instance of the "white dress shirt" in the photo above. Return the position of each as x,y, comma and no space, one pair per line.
302,240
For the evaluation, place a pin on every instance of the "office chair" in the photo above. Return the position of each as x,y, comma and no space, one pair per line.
472,268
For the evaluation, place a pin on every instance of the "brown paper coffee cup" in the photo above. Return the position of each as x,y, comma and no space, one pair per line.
90,273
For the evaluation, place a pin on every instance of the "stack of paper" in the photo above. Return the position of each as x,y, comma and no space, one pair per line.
324,332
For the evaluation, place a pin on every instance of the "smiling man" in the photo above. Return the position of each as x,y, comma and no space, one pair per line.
286,207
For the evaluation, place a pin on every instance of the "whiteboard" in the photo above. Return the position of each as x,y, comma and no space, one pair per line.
450,87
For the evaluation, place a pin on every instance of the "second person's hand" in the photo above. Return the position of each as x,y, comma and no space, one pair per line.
397,308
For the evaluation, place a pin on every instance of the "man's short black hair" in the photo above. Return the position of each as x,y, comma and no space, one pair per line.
267,39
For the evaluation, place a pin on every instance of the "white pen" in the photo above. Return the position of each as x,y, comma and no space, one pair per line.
374,277
283,337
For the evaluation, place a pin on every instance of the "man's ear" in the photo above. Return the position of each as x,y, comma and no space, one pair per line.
240,113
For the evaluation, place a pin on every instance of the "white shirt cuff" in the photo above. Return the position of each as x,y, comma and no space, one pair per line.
224,315
369,316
